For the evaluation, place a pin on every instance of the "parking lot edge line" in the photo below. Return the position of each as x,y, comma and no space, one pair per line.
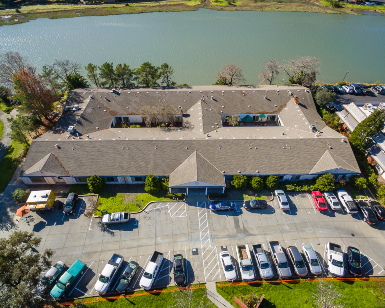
89,227
81,277
216,251
185,251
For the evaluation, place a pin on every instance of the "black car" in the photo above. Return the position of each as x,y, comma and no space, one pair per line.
354,260
128,273
369,215
377,89
378,209
69,206
255,204
356,89
179,271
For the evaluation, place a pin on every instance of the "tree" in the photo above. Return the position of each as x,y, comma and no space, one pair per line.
10,63
189,298
96,184
162,113
107,75
361,136
358,182
49,75
325,182
64,68
124,75
324,96
272,182
147,75
75,81
230,74
35,97
257,183
93,74
164,183
21,126
152,184
5,93
21,195
239,181
165,73
302,71
250,300
327,296
20,269
271,72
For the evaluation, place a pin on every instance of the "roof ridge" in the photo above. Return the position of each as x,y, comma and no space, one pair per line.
323,155
208,161
60,163
344,161
194,152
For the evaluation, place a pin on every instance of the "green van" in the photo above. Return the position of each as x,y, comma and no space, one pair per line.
67,279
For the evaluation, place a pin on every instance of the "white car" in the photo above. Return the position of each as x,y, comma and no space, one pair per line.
282,200
348,89
332,200
347,202
228,266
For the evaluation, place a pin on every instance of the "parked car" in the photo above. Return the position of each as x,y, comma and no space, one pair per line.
102,285
339,89
228,266
70,204
347,202
348,89
48,281
377,89
312,259
378,209
332,200
263,263
367,212
319,201
254,204
280,260
282,200
66,280
335,258
115,218
296,260
245,262
222,206
354,261
128,273
356,89
151,270
179,270
333,107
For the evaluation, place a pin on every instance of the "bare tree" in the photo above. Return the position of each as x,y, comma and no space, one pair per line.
327,296
150,115
161,113
188,298
10,63
271,72
230,74
63,69
302,71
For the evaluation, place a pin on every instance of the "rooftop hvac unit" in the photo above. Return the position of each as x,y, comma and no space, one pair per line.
71,129
368,106
381,106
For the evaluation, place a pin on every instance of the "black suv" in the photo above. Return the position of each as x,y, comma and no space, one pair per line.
368,213
70,204
354,259
255,204
179,271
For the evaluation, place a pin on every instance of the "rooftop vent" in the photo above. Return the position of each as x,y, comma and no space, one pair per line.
256,171
243,93
223,171
239,171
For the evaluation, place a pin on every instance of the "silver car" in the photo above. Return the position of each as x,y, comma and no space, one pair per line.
312,259
296,259
263,263
332,200
282,200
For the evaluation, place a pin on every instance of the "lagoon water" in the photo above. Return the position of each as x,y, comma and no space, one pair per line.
197,44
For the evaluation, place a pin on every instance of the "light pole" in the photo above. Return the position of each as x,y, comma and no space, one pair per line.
345,76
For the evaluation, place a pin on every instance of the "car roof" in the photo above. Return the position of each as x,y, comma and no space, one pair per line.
310,251
295,252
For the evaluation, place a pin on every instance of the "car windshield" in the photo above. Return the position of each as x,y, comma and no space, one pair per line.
356,263
178,273
44,280
147,275
336,204
103,279
318,197
321,204
247,268
123,280
229,268
283,265
280,194
299,264
265,265
222,206
61,286
314,262
337,263
285,203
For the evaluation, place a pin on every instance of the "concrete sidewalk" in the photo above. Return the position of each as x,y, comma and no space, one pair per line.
215,297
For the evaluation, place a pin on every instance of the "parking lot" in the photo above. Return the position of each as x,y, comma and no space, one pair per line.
199,235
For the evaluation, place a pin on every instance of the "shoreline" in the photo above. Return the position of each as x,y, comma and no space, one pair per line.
54,11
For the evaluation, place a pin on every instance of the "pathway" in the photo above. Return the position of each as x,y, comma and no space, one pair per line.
215,297
5,141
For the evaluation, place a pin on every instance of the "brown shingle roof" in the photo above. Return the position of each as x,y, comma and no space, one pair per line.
48,163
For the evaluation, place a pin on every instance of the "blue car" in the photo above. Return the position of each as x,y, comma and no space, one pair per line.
222,206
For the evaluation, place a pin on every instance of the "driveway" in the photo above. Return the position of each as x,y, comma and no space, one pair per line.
5,141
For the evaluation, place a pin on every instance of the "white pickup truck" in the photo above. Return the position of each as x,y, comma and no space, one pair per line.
108,273
115,218
151,271
335,259
245,263
347,202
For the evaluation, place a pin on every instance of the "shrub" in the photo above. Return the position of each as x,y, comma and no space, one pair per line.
239,181
152,184
358,182
256,183
272,182
21,195
250,300
96,184
325,182
164,183
176,196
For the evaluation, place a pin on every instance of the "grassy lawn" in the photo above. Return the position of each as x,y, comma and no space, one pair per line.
224,2
355,294
1,129
144,299
5,108
11,160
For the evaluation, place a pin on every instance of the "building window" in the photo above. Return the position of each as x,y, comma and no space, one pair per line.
81,180
139,178
256,118
271,118
38,180
110,179
295,177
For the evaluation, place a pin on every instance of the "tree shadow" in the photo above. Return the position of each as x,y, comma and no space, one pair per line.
104,228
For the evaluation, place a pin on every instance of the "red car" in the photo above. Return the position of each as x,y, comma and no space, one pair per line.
319,201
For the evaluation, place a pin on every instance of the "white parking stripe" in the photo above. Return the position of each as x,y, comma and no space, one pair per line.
121,274
371,269
81,277
89,227
141,272
311,202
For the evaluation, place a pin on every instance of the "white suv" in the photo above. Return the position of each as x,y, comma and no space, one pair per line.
282,200
228,266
